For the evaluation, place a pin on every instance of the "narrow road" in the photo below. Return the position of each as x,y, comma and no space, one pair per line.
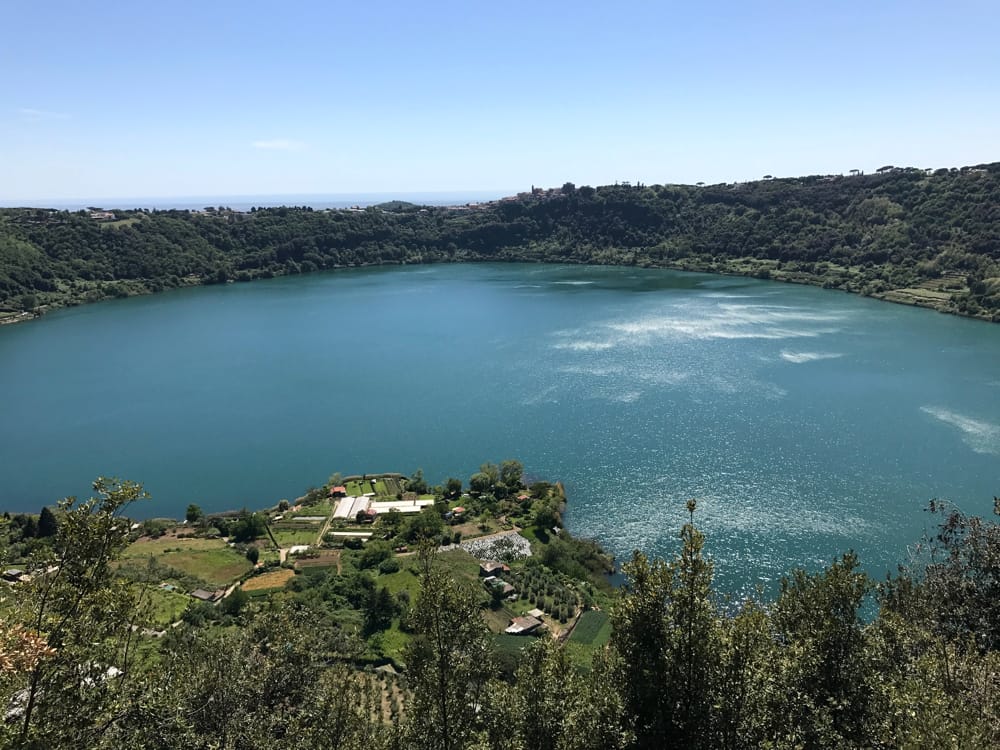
326,526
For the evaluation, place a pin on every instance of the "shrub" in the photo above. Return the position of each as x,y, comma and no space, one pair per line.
389,566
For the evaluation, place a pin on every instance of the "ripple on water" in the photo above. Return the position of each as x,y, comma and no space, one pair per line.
982,437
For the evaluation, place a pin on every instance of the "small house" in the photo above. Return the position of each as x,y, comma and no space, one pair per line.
523,625
338,491
489,568
208,596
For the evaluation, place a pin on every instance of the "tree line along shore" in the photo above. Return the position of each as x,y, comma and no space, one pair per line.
473,621
908,235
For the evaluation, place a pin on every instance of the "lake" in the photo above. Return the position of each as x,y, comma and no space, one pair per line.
805,421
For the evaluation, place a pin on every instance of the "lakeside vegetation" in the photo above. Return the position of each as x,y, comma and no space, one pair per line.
915,236
398,638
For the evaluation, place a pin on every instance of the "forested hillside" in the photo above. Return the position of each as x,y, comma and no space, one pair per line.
906,235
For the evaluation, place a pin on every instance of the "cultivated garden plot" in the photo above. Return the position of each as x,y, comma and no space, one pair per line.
592,629
274,579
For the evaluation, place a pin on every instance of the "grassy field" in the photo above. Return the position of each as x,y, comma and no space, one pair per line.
208,560
156,547
354,488
290,537
216,567
593,629
323,508
460,564
165,607
392,643
512,644
274,579
404,580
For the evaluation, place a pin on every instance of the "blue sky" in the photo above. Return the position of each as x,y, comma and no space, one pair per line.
249,98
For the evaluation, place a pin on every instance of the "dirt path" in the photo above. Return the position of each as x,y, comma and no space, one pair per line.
566,632
326,525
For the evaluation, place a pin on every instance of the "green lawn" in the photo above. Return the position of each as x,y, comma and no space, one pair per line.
209,560
511,644
404,580
322,508
593,629
459,563
165,607
216,567
354,488
390,643
291,537
157,547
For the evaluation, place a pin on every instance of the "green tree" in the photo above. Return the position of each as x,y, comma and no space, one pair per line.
47,524
694,639
448,660
374,553
952,586
379,610
746,659
193,514
666,622
511,473
821,692
417,483
492,471
641,640
253,554
391,520
265,684
234,603
480,482
453,487
70,697
249,527
427,524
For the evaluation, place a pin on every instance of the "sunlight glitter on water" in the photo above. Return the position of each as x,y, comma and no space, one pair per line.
805,422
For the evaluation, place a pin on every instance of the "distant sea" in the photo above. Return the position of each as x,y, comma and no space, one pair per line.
246,202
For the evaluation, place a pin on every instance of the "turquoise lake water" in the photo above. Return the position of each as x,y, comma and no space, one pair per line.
806,422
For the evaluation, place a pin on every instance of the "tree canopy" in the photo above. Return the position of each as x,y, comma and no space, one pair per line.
902,234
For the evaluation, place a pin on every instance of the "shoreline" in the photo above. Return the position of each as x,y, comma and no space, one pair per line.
922,296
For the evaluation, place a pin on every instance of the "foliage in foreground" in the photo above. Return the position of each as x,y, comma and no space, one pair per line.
683,669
